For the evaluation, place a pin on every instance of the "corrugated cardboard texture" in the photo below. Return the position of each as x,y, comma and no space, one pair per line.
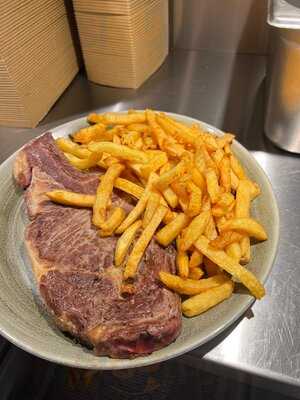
37,59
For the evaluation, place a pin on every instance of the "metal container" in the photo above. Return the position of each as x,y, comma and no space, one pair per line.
282,124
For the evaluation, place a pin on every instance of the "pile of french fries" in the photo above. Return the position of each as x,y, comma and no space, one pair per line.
189,189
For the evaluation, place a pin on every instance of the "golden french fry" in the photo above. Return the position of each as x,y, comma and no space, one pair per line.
139,127
170,176
182,261
94,118
196,259
151,206
255,190
68,146
139,208
109,226
202,302
158,134
125,241
245,250
195,202
198,179
129,187
196,273
213,188
111,118
237,167
243,199
234,251
227,149
206,205
225,239
225,175
211,268
210,142
156,161
234,180
225,204
200,160
231,266
182,134
179,189
194,230
224,140
119,151
190,286
71,198
170,197
142,243
247,226
83,163
169,232
104,192
210,230
217,156
89,134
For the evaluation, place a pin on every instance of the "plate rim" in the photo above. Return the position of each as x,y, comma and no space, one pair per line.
147,360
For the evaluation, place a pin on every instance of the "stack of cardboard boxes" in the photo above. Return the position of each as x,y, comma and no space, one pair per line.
123,41
37,59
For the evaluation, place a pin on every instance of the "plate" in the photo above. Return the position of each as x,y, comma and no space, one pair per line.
24,321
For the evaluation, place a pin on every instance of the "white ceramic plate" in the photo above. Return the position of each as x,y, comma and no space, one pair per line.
23,320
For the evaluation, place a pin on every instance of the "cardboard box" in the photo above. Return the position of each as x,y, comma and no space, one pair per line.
37,59
123,42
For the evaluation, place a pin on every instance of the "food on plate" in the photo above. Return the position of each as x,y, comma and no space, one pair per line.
128,215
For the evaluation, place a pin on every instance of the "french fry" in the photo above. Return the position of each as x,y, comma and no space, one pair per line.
247,226
68,146
237,167
183,135
217,156
139,127
202,302
71,198
88,134
196,259
110,118
139,208
125,241
104,192
243,199
182,261
234,180
196,273
194,205
224,140
156,161
170,197
210,230
129,187
210,142
194,230
198,179
119,151
190,286
230,265
245,250
169,232
225,175
206,205
199,159
94,118
142,243
255,190
234,251
213,188
158,134
151,206
109,226
211,268
179,189
170,176
225,239
83,163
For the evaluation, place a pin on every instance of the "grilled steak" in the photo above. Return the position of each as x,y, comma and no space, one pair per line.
74,267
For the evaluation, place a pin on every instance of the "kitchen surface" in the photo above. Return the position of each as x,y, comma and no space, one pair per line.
226,90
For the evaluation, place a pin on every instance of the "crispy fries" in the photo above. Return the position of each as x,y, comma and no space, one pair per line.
104,192
202,302
142,243
190,286
119,151
231,266
71,198
186,185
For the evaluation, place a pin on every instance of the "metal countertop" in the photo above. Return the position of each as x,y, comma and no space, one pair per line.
227,91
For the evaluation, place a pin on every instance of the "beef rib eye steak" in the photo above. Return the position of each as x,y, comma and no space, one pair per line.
74,268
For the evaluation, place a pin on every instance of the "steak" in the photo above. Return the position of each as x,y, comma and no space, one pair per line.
74,267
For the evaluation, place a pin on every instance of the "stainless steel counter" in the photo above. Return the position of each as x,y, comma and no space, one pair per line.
228,92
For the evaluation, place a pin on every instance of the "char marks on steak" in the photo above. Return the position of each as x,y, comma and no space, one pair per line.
74,266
